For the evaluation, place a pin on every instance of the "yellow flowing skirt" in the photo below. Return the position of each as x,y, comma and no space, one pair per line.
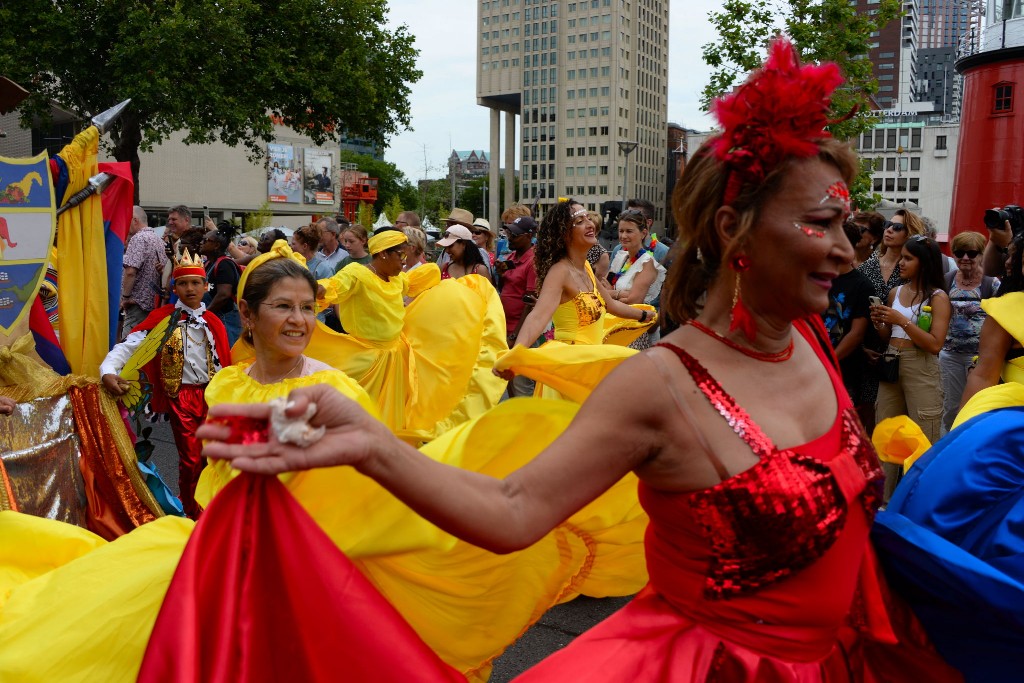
76,608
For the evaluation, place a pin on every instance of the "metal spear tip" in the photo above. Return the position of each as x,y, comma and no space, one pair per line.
100,181
105,119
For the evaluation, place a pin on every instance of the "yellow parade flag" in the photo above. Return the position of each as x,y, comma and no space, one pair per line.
81,251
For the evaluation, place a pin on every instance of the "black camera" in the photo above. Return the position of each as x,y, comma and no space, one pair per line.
994,218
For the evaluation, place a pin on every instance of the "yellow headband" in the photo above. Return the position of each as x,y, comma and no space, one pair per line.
279,250
386,240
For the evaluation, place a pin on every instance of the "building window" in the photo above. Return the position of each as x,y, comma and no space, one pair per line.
940,142
915,184
877,185
915,163
890,164
1003,101
890,184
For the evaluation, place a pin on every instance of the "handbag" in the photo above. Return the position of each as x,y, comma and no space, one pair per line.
889,367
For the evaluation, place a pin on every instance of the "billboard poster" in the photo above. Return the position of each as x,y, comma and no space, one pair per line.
283,174
318,181
28,222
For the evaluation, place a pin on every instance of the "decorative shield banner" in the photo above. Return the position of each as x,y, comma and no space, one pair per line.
28,222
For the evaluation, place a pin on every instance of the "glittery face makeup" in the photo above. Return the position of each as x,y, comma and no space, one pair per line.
809,230
838,190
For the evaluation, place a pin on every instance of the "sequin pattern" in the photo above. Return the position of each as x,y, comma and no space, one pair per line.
589,307
785,512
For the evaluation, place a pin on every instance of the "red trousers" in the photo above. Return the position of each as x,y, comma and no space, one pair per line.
188,411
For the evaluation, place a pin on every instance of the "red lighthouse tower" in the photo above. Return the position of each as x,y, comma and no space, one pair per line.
990,156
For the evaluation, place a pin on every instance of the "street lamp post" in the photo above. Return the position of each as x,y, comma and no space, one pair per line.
483,210
626,148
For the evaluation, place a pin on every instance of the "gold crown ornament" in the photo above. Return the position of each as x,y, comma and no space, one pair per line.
188,266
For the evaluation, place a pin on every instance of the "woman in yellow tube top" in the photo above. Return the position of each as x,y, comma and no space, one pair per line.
579,305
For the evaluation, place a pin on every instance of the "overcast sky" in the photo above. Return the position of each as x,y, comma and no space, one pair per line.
445,115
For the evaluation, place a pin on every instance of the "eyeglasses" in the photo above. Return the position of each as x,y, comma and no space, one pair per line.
398,251
633,214
917,238
479,232
969,253
283,310
896,227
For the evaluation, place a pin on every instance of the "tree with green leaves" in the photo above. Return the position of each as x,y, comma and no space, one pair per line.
219,69
473,196
391,182
822,30
393,208
365,216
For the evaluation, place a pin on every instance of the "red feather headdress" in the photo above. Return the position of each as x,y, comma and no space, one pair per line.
778,113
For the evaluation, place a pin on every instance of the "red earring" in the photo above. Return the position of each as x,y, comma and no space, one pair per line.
740,317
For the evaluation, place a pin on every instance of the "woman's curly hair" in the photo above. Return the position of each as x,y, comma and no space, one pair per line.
551,238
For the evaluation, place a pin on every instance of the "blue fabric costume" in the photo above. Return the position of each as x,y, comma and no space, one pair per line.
952,542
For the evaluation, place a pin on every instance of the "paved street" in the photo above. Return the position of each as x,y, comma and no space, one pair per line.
555,630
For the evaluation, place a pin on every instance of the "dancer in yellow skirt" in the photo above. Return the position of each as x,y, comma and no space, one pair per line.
427,366
592,329
76,608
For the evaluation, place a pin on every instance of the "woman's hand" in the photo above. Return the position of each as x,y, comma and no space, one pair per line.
353,437
888,316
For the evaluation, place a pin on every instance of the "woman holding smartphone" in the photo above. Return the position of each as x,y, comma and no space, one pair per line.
917,392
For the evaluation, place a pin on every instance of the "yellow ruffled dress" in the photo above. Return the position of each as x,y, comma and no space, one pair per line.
74,607
428,366
589,343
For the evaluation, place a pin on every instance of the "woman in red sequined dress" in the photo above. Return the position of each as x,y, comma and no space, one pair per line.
756,474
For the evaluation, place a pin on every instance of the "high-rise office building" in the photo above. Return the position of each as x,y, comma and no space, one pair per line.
589,81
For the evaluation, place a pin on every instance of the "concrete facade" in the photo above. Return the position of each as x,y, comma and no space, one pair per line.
583,77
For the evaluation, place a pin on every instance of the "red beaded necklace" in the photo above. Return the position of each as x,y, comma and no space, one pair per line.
777,357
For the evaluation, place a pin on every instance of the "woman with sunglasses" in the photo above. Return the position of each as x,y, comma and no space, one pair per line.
967,287
917,391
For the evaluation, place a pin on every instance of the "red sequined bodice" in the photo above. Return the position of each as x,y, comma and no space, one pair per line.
787,511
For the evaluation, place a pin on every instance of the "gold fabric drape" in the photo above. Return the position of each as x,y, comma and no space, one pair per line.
118,499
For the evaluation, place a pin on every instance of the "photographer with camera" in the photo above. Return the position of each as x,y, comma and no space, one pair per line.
1003,226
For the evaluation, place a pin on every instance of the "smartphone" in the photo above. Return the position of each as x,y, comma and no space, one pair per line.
874,301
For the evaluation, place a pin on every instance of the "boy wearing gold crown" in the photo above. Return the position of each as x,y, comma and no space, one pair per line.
193,347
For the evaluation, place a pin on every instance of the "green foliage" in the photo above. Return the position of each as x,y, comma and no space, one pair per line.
391,182
393,208
260,218
435,193
365,216
214,68
472,198
822,30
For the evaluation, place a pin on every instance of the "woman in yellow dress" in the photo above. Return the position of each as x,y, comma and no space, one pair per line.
427,366
582,309
71,611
